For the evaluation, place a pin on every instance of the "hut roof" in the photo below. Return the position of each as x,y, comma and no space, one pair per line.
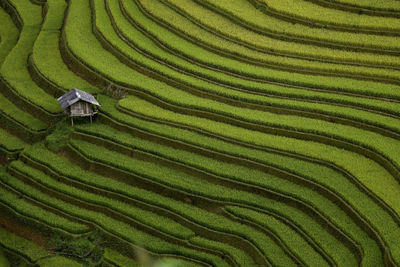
74,96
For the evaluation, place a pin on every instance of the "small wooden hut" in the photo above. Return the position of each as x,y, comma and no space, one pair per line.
77,103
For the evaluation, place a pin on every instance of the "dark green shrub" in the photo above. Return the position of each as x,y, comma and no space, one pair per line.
59,136
86,249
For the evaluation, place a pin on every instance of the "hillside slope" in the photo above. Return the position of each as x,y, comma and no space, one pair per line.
229,133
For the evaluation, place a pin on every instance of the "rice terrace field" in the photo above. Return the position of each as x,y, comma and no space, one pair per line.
229,133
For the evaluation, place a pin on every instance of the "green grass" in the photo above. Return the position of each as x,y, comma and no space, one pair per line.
124,231
10,142
251,137
307,169
240,258
189,184
178,180
118,259
222,170
46,54
125,75
288,235
310,11
14,69
21,246
171,94
366,170
87,48
58,261
28,12
192,213
177,159
24,118
8,35
237,67
390,5
220,24
334,130
26,208
63,167
370,118
183,47
243,12
302,126
347,112
58,138
3,259
141,41
150,219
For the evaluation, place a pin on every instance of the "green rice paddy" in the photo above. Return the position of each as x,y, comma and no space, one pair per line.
229,133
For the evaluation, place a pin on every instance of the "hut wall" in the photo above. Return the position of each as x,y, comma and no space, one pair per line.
81,108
